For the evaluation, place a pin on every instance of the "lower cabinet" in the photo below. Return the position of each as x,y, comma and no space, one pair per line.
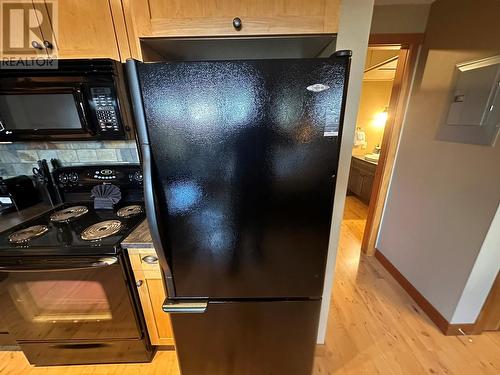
149,284
361,176
5,338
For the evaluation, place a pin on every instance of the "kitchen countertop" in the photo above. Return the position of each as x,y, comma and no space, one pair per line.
11,219
362,157
139,238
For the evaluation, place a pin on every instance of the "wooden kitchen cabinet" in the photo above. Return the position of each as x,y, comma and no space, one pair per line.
16,43
178,18
5,338
84,29
76,29
361,176
152,294
113,28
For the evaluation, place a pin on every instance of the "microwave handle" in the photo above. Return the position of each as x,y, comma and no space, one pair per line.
99,263
81,99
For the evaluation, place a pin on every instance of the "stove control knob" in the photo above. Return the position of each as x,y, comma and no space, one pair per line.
63,178
138,176
73,177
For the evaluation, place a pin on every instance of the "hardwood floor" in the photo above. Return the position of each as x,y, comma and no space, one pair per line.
374,328
164,363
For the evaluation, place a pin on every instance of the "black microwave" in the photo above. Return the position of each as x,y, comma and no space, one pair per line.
76,100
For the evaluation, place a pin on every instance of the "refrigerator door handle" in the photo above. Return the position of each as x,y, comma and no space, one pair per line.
145,152
190,307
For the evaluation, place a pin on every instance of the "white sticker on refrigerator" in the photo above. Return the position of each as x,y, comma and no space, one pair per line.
331,124
330,134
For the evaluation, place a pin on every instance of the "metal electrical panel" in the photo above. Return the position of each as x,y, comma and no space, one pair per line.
474,111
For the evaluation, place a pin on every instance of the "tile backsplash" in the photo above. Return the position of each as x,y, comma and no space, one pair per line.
20,158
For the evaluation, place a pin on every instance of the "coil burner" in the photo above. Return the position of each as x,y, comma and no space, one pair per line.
129,211
68,214
26,234
101,230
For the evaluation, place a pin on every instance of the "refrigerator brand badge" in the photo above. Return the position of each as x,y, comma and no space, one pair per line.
317,87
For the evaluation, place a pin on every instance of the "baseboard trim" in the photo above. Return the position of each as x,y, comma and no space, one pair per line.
321,350
439,320
165,347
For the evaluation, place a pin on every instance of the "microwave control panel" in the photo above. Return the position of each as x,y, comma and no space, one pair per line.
105,109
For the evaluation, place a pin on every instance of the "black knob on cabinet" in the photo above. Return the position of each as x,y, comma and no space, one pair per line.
47,44
237,23
36,45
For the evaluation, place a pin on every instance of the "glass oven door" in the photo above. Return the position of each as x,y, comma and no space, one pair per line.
44,111
66,299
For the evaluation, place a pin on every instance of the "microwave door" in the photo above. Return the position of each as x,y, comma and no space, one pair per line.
49,113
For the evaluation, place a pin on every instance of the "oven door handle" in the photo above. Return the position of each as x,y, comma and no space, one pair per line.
99,263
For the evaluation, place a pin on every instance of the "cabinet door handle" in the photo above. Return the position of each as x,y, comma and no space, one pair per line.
237,23
150,259
139,283
47,44
36,45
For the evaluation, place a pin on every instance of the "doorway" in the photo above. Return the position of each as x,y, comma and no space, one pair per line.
389,68
378,81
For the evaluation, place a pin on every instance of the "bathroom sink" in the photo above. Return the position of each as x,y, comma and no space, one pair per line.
372,157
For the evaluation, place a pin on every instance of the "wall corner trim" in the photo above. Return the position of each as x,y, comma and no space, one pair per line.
434,315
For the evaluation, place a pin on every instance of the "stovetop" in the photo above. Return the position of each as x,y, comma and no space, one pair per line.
65,238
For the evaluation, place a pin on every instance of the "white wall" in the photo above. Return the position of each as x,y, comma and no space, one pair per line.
400,18
444,195
354,29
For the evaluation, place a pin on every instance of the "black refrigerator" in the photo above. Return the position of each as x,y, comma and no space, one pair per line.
239,162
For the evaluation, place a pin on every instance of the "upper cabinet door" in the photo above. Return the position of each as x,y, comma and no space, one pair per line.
217,17
83,29
22,30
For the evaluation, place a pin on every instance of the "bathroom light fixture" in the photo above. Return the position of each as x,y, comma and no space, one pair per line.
318,87
381,118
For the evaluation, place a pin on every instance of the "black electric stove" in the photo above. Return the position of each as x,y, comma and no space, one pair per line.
65,238
67,289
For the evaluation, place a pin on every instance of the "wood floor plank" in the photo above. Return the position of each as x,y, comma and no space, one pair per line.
374,328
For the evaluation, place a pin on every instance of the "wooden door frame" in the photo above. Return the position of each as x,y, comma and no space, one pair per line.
489,314
407,60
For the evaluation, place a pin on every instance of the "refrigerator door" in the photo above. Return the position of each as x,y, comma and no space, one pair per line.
248,338
241,158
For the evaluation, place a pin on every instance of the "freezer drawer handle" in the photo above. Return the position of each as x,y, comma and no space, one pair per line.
191,306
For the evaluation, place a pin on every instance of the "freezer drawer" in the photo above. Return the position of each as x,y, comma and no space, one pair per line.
248,338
